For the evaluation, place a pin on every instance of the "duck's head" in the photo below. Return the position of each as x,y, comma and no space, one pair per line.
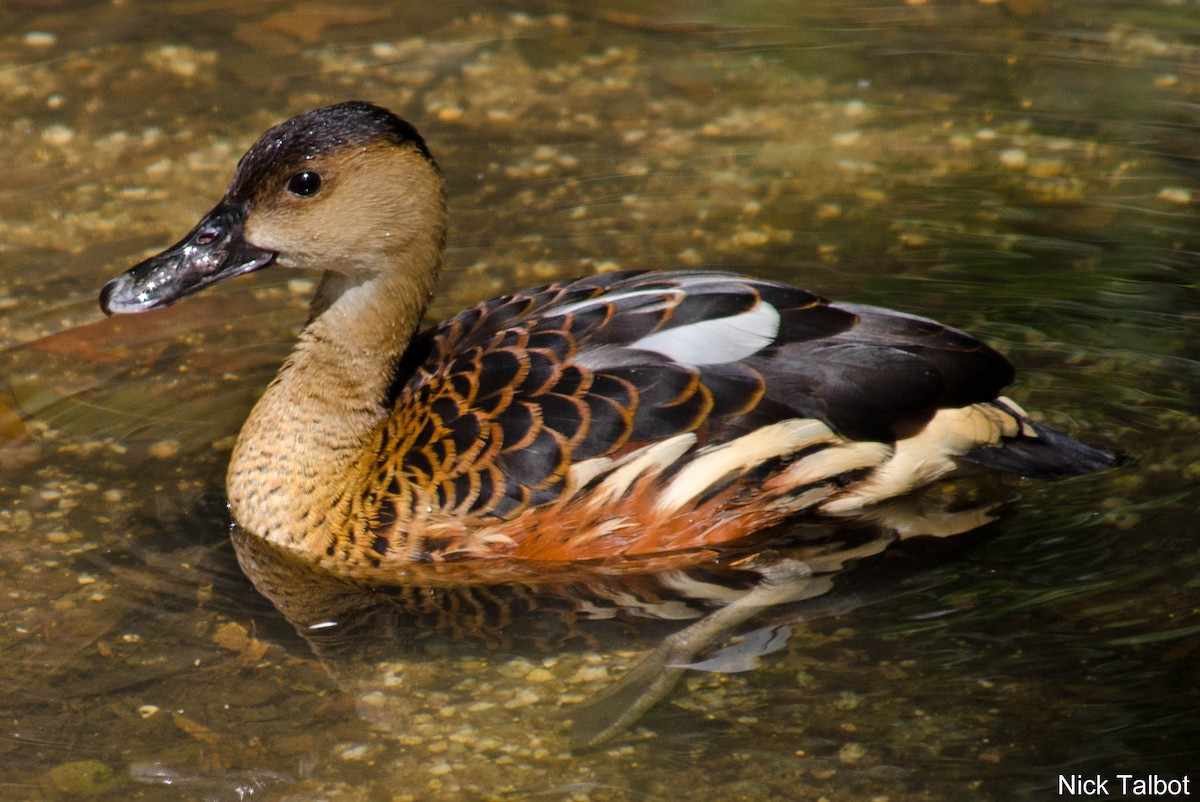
347,188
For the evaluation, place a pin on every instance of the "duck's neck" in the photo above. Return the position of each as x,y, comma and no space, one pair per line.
294,468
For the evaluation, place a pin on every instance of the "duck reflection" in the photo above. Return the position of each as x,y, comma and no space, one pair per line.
721,612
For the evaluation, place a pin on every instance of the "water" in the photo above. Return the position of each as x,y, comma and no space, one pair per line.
1024,170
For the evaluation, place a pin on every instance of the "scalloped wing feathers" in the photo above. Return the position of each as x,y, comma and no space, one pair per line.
495,407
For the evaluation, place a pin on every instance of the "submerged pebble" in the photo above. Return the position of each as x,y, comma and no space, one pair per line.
84,778
1180,195
40,39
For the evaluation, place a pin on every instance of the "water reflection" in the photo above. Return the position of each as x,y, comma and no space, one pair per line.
360,627
1024,170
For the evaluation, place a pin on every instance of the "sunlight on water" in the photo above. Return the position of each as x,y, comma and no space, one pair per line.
1020,169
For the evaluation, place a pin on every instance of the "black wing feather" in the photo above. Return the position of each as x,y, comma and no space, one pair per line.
557,375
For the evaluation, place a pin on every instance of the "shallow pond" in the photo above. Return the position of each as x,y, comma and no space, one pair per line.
1026,170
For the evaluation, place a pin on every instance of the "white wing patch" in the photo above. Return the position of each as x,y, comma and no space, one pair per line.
665,299
712,342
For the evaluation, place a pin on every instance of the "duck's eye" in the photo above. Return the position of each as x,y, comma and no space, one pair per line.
304,183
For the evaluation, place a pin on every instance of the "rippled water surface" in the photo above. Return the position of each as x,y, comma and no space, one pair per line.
1027,170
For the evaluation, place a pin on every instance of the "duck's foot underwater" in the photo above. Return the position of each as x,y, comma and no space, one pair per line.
649,681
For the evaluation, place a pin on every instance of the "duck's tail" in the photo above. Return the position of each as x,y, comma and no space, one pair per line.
1041,452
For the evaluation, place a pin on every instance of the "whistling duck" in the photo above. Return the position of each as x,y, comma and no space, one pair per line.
618,416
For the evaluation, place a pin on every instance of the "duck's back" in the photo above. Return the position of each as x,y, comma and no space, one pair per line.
547,423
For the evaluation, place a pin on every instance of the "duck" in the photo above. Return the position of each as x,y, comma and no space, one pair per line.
628,418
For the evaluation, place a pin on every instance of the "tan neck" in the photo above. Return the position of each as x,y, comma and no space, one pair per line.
294,468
